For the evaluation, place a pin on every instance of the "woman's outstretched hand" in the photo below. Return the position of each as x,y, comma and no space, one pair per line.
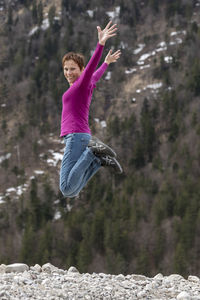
106,33
110,58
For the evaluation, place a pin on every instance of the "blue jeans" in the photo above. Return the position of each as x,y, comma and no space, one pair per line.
79,164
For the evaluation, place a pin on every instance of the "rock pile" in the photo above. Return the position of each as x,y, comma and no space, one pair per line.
18,281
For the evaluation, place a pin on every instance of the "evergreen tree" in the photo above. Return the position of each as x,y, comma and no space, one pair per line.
40,13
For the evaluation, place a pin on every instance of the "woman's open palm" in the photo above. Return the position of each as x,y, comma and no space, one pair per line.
112,57
106,33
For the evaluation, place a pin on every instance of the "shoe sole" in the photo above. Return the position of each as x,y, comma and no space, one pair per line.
108,150
116,167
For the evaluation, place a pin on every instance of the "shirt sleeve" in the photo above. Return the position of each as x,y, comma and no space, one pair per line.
99,73
86,76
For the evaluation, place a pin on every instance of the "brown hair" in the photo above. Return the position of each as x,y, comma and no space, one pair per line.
76,57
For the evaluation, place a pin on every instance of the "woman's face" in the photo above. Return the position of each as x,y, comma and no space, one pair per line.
71,71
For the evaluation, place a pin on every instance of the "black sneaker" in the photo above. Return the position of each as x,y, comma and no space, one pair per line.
99,148
108,161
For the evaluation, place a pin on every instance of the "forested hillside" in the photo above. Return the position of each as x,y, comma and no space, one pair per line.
146,106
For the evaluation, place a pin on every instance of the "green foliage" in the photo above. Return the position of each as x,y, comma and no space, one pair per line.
34,12
4,125
28,246
154,5
84,256
129,12
114,126
10,17
147,131
51,15
194,78
40,13
158,163
138,156
97,230
180,260
174,7
160,245
115,262
22,130
44,245
143,263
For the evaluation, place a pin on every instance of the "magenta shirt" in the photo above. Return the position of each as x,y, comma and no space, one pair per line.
76,100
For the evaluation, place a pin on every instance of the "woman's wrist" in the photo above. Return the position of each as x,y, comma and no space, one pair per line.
106,62
102,43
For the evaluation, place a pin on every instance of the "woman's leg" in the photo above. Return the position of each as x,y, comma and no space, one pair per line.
79,164
93,168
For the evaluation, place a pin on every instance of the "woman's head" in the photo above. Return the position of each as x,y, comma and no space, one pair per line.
73,66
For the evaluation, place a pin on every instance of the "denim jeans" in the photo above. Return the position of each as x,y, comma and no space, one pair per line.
79,164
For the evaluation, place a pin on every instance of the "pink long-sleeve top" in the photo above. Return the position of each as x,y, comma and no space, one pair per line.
76,100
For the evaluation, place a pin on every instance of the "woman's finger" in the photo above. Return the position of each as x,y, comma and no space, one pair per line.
112,27
107,26
111,31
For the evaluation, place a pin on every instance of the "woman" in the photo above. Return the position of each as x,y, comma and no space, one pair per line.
83,155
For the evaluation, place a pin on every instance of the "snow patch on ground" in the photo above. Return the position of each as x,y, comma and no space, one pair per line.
39,172
4,157
57,215
108,76
45,25
144,67
168,59
139,49
57,157
154,86
90,13
129,71
115,13
103,124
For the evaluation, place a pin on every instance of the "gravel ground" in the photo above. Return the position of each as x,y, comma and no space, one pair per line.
19,281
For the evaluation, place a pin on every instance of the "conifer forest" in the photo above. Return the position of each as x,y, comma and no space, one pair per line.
146,106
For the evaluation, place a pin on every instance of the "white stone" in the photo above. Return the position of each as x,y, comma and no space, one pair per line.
193,278
183,296
46,281
138,277
17,267
158,276
73,270
36,268
175,277
141,294
48,268
2,268
120,277
4,295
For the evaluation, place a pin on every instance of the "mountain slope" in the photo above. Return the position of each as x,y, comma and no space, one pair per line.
146,107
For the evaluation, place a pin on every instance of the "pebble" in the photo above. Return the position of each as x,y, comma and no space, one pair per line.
18,281
183,296
16,268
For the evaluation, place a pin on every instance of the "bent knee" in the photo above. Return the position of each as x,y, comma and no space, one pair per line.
67,191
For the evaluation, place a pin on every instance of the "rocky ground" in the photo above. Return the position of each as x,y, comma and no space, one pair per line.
19,281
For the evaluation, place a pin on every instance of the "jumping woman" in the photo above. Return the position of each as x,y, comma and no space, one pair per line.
84,155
